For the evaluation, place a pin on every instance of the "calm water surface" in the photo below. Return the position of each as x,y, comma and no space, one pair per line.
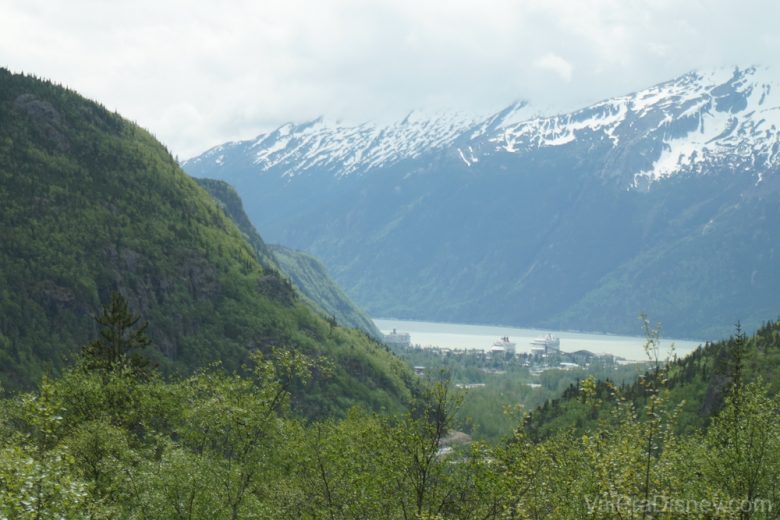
454,335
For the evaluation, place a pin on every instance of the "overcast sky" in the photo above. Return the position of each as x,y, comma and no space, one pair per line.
200,73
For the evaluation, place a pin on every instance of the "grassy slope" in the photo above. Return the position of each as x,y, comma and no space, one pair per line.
90,203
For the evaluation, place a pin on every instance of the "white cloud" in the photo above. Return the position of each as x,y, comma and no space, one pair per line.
556,64
199,73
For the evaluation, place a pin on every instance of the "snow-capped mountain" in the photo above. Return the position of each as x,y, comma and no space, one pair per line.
728,117
665,201
725,117
342,150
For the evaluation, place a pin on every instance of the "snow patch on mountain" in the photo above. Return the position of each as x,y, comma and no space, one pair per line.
738,125
343,150
724,117
561,130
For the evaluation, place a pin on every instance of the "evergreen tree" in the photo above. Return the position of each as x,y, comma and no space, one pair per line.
121,341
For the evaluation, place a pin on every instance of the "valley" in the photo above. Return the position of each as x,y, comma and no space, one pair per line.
569,248
578,221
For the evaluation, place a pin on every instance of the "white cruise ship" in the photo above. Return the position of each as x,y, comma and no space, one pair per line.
546,344
503,345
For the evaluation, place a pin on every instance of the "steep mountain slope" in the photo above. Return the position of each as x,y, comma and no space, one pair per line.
307,274
311,277
663,201
90,203
230,202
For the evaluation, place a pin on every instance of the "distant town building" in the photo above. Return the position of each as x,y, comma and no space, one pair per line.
399,339
419,370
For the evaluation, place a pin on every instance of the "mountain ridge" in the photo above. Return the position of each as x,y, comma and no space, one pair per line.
307,274
715,95
91,204
571,221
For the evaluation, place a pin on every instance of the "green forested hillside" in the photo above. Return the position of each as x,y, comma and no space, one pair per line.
91,203
102,441
311,276
306,273
695,386
229,200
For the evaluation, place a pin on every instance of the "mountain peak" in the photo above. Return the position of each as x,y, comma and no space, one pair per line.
720,117
293,149
574,220
727,117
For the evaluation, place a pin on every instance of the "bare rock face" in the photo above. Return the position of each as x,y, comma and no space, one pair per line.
45,117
